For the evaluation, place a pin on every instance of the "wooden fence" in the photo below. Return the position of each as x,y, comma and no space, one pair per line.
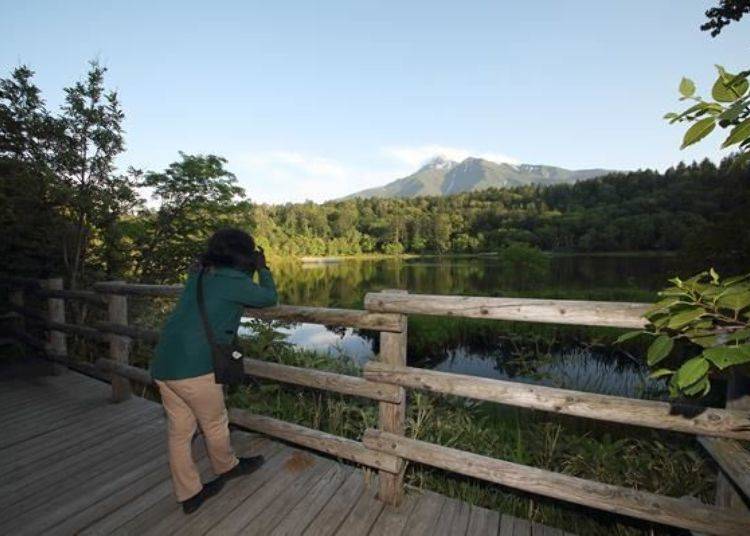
385,380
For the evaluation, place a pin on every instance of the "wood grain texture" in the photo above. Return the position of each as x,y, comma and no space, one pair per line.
654,414
315,439
680,513
328,381
587,313
392,416
56,340
119,346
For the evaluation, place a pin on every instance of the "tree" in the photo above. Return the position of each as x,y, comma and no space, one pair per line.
88,192
722,15
31,226
196,195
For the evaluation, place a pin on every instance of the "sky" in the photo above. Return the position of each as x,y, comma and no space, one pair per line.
318,99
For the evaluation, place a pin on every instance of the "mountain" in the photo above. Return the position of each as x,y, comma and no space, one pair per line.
441,176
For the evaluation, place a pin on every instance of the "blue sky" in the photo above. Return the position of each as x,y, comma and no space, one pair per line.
314,100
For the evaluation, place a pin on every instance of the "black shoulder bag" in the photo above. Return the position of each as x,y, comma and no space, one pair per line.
228,367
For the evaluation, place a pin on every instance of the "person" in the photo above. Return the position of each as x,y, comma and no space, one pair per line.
183,365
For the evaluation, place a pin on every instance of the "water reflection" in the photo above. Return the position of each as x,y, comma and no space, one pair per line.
344,284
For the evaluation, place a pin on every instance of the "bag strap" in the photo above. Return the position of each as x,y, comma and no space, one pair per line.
204,316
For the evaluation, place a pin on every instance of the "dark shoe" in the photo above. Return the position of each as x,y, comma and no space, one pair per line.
209,490
244,467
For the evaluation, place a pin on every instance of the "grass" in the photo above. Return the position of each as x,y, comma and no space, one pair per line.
633,457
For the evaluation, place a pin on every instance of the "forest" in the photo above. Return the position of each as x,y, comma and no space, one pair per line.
66,208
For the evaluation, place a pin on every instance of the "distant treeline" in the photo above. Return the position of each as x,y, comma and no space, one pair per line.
65,207
700,207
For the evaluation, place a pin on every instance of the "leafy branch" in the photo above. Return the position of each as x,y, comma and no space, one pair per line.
710,315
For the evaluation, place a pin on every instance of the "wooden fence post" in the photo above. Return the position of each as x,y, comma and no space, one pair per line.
392,416
119,346
738,397
56,341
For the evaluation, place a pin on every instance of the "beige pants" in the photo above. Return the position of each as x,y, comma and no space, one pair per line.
190,403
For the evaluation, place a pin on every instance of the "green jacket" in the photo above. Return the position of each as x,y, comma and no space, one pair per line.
183,350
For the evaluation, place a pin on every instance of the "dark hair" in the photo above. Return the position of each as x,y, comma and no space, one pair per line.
230,248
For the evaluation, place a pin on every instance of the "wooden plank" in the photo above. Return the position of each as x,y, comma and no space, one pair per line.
306,511
537,529
319,379
62,474
291,496
333,514
392,520
314,439
587,313
54,502
513,526
234,492
733,458
483,522
76,437
643,505
363,515
423,519
156,497
296,464
653,414
49,516
85,295
454,518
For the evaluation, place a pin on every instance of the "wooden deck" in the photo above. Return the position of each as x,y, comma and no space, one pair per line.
71,462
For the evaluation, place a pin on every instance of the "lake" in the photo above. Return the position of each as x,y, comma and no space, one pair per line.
576,365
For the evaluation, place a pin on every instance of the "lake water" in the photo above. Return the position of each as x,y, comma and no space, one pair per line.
612,278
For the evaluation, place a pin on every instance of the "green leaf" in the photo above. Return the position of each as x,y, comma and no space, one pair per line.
687,87
663,305
685,317
734,280
728,87
698,131
714,275
659,349
706,341
691,371
660,372
738,336
739,134
670,115
627,336
728,356
703,385
734,300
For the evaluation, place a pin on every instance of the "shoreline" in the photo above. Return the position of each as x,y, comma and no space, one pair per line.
331,259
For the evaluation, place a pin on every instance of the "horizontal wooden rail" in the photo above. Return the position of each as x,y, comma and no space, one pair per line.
654,414
686,514
733,458
130,372
319,379
353,318
588,313
33,315
287,313
134,332
86,295
138,289
347,449
20,282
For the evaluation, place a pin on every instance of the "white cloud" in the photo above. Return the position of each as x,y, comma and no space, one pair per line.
280,176
416,156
